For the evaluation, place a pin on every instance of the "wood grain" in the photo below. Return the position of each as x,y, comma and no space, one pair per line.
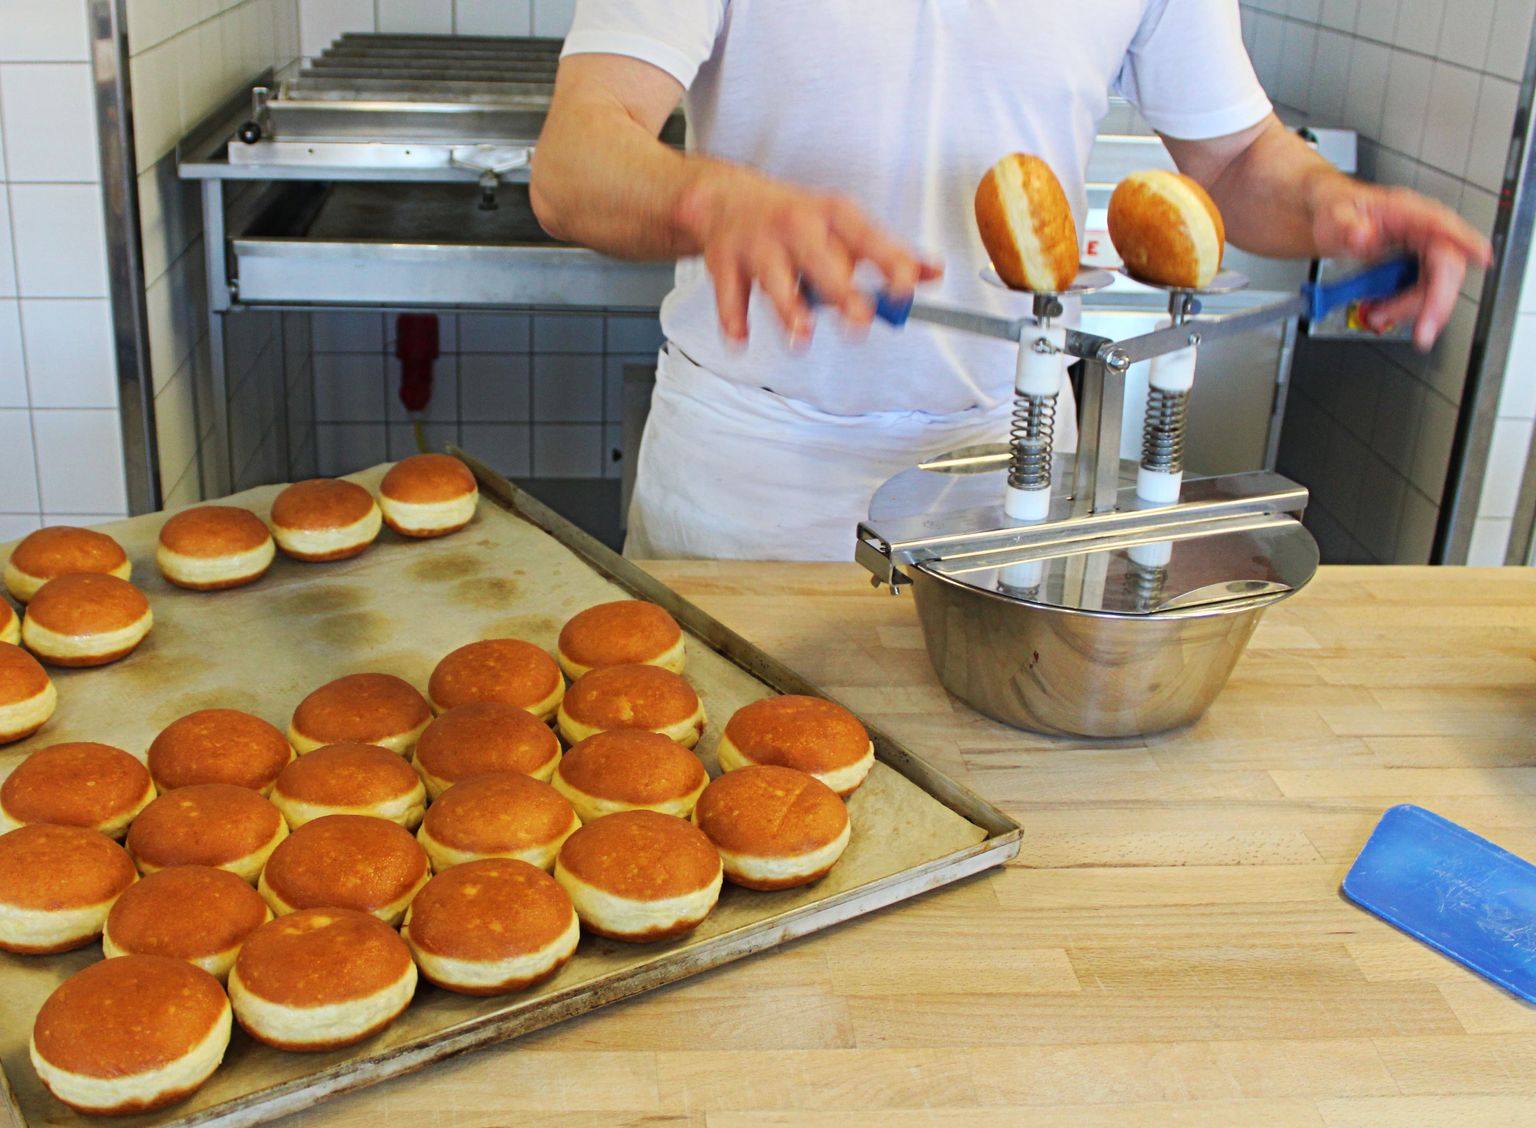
1170,948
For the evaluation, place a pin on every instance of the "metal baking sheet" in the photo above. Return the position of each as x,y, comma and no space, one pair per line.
517,570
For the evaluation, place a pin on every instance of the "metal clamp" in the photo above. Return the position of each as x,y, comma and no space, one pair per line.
492,162
260,124
876,557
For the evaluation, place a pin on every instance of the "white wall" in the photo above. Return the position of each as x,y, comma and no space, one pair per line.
186,60
60,445
534,395
322,20
1430,87
61,457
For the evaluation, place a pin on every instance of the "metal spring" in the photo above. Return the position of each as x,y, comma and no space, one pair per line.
1162,434
1032,435
1017,590
1145,585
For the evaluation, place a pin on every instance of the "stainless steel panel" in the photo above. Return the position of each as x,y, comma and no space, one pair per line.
950,519
296,272
1488,366
529,72
125,266
391,114
1232,426
425,245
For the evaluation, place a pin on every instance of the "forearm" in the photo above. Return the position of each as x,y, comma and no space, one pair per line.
602,180
1270,192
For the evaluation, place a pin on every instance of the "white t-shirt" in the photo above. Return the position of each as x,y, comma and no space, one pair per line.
903,105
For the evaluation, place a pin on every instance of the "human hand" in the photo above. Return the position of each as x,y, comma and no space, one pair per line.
754,231
1367,221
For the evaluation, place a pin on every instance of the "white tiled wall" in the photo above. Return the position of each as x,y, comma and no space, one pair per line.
1430,87
323,20
534,395
60,443
186,60
60,434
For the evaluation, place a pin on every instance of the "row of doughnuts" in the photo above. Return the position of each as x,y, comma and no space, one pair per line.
682,869
96,620
500,783
214,547
1164,225
426,495
83,611
620,723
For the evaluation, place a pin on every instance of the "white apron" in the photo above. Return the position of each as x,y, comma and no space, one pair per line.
728,471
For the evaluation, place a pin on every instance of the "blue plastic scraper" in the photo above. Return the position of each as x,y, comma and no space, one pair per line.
1458,893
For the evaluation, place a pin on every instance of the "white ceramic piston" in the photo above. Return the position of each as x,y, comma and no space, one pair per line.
1173,374
1038,381
1022,577
1158,554
1042,361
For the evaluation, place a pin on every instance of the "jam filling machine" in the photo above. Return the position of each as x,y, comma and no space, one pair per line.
1078,594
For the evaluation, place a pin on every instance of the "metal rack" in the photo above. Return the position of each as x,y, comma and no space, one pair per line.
391,173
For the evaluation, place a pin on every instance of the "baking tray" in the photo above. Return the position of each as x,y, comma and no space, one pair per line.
521,570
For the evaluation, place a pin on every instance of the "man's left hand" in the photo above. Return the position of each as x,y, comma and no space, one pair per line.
1280,198
1366,221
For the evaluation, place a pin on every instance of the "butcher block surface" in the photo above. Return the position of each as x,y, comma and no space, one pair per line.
1170,946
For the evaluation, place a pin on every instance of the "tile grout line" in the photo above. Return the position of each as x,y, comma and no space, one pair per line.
1388,44
1482,75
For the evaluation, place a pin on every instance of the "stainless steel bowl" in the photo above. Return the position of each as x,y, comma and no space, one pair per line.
1106,637
1067,671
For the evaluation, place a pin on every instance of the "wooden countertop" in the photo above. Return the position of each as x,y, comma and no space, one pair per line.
1169,947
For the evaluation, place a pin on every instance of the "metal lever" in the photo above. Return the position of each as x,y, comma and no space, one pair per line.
1384,280
251,132
888,308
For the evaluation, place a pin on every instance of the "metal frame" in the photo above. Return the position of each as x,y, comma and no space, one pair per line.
1099,513
543,278
125,265
1210,506
1496,316
1522,533
214,129
293,272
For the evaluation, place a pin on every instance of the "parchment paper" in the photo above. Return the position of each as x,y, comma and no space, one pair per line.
397,608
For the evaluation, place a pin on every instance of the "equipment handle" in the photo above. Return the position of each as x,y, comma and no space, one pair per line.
1384,280
888,308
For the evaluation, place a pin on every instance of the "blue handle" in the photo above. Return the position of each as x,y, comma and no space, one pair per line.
888,308
1384,280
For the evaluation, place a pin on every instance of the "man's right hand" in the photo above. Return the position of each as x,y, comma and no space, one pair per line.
602,178
754,231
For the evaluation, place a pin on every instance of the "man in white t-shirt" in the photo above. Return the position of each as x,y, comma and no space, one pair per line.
830,140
